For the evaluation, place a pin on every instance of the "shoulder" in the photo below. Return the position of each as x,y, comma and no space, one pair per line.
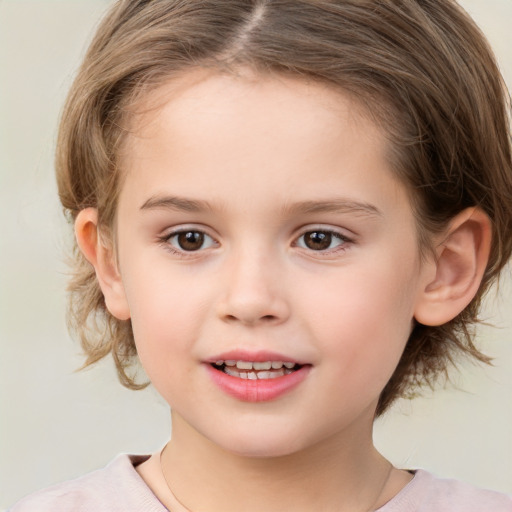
427,493
116,487
455,495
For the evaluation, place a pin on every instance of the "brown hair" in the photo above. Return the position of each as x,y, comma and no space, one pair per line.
420,67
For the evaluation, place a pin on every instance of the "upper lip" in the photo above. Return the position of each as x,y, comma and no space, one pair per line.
259,356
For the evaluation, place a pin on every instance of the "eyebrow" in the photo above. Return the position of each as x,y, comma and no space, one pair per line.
176,203
340,205
337,205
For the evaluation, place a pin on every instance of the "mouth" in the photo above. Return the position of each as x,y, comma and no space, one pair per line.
268,378
256,370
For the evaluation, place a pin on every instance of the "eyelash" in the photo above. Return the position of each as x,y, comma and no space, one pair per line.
166,241
343,240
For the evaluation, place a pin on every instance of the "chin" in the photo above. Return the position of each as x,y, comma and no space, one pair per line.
261,443
262,450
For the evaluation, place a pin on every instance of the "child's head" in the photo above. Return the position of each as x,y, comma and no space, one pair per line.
420,71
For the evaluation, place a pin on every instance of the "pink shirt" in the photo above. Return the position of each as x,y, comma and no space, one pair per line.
119,488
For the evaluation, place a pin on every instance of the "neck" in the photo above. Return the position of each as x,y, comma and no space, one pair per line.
342,473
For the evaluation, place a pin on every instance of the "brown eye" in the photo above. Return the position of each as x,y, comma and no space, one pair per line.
190,241
317,240
321,240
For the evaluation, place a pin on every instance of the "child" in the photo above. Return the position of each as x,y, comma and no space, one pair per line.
289,211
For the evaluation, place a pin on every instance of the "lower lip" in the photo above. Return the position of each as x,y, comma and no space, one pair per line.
259,390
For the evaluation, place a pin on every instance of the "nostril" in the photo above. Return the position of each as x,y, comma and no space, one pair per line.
249,311
264,318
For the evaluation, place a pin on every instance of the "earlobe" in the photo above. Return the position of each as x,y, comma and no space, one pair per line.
461,261
101,257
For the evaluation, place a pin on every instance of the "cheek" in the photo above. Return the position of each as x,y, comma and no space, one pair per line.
166,316
364,325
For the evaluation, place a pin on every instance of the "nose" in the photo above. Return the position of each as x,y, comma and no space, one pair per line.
254,292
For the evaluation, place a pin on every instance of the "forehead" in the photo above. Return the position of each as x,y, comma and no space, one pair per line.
211,93
244,135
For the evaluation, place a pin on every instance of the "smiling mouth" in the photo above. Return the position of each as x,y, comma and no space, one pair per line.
252,370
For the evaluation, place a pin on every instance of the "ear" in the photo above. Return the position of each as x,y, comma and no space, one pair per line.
101,257
461,260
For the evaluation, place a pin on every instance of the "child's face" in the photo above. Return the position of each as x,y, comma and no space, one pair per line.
297,245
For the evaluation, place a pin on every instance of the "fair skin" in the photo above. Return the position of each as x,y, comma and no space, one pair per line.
302,247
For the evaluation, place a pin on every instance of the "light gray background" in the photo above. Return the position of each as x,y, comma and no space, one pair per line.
56,424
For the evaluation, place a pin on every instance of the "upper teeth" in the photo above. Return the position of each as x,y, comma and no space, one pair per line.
252,365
